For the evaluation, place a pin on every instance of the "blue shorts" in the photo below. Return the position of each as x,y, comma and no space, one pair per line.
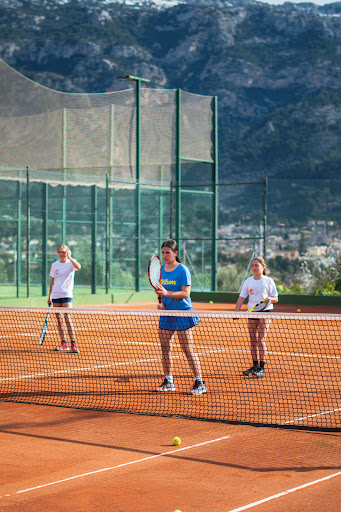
178,323
62,301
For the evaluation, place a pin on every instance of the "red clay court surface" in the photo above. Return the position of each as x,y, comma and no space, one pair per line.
69,460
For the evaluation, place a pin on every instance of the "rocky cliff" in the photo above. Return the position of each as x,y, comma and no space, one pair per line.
275,69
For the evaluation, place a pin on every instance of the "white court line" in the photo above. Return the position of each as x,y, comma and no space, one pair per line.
77,330
270,352
128,363
208,350
24,335
98,367
284,493
89,368
311,416
82,475
71,370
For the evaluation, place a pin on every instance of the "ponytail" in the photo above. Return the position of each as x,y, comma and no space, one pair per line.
171,244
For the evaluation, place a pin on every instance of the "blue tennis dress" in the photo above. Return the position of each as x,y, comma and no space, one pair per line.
173,281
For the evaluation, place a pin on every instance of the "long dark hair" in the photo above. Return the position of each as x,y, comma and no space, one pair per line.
171,244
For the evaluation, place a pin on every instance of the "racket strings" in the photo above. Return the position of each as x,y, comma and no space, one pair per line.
262,305
154,272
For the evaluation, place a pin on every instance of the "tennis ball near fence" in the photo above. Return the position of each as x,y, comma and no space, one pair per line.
176,441
298,311
211,301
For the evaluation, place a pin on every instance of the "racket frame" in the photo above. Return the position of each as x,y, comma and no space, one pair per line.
44,329
266,301
155,256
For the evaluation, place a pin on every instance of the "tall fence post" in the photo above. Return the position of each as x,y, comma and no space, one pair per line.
214,280
28,233
19,226
265,215
45,236
64,164
161,209
107,234
138,189
94,240
178,167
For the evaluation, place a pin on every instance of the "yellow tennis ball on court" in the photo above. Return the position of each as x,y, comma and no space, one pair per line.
176,441
298,311
211,301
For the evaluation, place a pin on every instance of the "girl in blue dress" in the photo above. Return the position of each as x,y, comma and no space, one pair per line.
175,289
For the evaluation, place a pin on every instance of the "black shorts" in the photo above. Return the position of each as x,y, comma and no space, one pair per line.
64,300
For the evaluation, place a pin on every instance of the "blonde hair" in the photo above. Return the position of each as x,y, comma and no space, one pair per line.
262,262
63,246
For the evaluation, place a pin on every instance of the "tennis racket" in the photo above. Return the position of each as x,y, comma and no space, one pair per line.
44,329
154,272
260,306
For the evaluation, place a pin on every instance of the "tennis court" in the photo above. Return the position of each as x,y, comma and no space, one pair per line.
91,459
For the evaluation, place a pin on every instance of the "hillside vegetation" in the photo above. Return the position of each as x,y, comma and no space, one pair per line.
276,70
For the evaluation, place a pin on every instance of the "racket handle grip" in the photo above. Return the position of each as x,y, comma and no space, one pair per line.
159,299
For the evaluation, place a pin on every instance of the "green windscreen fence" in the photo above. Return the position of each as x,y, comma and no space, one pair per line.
105,173
71,170
292,220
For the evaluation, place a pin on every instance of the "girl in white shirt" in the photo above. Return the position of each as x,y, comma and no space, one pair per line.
258,288
61,292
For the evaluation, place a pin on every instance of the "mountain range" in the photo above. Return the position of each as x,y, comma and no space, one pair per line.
276,70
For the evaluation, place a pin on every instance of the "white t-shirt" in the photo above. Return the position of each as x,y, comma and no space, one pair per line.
63,274
258,289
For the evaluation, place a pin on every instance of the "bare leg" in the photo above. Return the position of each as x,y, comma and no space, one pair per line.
186,342
60,321
263,327
166,339
68,321
253,332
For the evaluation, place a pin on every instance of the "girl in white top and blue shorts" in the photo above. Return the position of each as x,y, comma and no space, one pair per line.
61,292
258,288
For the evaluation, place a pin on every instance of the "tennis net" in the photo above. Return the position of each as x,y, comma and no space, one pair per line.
119,365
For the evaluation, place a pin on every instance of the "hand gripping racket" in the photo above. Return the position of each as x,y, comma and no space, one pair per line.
44,329
154,272
260,306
